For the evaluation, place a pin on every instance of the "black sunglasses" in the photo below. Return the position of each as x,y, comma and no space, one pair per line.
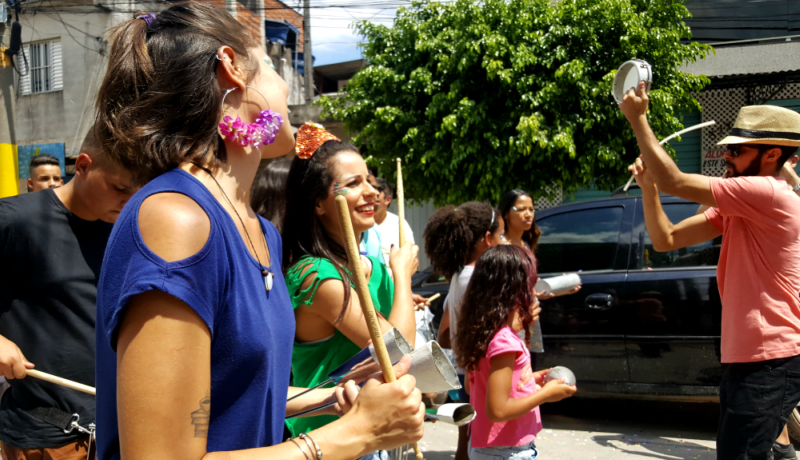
735,149
379,188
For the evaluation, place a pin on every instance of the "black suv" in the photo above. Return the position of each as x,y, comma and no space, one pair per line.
645,323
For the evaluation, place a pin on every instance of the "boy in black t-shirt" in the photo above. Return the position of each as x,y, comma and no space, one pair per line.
52,243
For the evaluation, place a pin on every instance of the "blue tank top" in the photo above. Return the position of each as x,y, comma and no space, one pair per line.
252,329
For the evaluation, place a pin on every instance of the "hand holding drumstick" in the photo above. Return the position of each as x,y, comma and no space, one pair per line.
14,365
368,309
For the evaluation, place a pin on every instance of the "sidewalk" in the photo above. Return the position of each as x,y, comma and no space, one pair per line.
633,430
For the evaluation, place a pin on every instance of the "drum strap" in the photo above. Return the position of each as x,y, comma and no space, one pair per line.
53,416
62,420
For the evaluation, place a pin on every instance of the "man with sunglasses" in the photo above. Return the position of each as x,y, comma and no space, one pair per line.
758,273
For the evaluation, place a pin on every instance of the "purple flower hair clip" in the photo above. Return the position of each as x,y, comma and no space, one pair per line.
148,18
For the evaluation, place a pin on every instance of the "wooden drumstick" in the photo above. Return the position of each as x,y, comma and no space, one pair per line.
401,203
362,290
63,382
430,299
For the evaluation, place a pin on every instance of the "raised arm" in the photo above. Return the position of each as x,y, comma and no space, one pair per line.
664,235
324,314
788,173
664,171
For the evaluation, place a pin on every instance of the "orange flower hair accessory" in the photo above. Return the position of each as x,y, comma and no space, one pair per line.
310,137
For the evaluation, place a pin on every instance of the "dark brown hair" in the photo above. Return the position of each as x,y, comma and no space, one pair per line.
159,103
303,233
268,194
453,233
502,283
42,159
506,203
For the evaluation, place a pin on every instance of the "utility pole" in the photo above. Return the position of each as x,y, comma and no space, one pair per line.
9,166
308,65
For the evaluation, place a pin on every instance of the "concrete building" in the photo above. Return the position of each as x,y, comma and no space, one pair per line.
64,60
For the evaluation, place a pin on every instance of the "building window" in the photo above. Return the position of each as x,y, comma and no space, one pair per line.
44,69
41,68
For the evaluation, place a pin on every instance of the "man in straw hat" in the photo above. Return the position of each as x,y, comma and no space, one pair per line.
758,271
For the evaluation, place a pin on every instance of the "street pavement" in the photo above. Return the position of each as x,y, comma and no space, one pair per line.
581,429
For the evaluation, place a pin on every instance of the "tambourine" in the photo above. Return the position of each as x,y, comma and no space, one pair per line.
628,77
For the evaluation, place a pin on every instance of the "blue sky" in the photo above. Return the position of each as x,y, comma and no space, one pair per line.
332,37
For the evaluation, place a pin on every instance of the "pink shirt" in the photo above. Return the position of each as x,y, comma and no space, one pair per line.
513,432
759,267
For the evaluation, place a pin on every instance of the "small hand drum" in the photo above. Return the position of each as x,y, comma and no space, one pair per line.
561,372
628,77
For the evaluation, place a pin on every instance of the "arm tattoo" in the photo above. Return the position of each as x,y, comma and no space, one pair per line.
200,417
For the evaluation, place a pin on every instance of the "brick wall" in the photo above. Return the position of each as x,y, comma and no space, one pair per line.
250,20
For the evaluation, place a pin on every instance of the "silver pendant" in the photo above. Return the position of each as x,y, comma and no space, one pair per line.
268,281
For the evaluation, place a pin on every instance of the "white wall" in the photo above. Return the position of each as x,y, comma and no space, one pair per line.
63,116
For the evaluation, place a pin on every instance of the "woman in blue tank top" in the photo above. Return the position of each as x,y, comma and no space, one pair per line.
194,321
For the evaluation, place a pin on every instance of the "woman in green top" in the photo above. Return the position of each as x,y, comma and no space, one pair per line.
330,325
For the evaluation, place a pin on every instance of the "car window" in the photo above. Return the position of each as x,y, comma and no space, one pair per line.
700,255
434,278
579,240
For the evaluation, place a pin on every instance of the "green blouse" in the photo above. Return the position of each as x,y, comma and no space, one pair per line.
311,362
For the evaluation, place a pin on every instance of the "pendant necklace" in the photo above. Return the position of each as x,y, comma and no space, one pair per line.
265,272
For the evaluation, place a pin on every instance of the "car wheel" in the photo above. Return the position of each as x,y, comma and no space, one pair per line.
793,425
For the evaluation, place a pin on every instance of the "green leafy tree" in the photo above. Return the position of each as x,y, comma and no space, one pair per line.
479,97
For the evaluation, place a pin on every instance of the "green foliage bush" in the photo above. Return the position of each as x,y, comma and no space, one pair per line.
481,97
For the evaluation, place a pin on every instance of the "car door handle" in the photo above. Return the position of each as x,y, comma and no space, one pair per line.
599,301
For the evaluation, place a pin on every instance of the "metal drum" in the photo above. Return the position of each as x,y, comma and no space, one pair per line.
628,77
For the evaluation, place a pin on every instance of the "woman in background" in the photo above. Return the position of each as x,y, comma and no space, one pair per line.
518,211
268,197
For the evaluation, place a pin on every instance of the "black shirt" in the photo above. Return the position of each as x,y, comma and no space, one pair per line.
49,265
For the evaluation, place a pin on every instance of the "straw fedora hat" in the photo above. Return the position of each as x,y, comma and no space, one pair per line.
765,124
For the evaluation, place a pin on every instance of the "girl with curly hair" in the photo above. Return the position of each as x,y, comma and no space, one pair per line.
505,392
454,239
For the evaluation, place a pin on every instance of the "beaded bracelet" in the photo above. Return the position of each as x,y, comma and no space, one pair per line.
305,437
300,447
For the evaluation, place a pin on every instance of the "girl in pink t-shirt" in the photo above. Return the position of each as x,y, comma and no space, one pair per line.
504,390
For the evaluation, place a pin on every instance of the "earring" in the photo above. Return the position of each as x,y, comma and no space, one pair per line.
262,132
